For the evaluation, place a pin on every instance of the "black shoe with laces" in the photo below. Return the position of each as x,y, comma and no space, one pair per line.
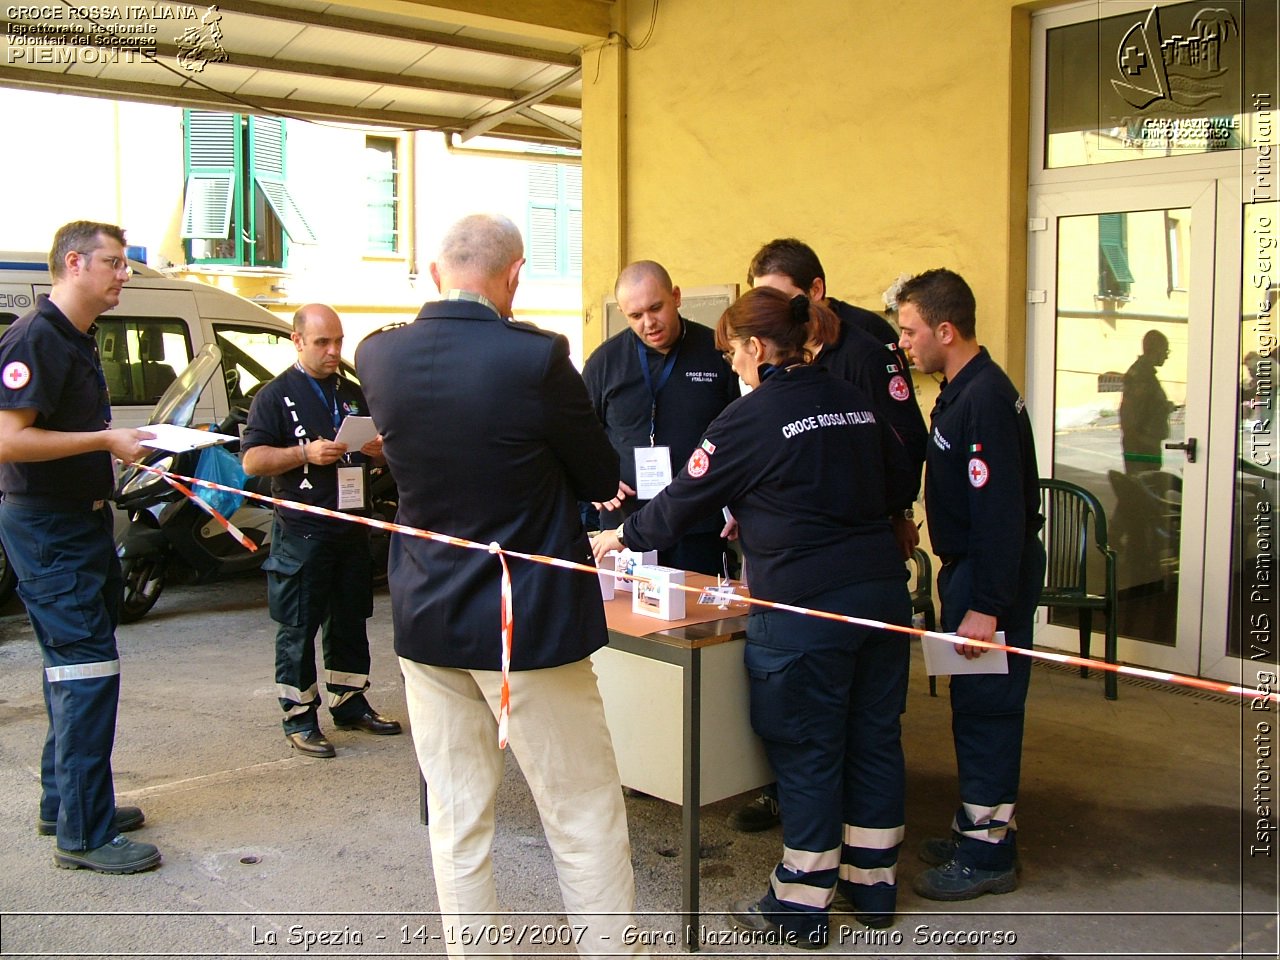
120,855
936,851
957,881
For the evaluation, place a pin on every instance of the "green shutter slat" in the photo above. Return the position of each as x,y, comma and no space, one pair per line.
266,146
287,210
573,186
543,253
1113,242
206,212
212,151
574,242
543,182
211,138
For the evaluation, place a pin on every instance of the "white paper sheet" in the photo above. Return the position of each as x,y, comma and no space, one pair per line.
942,658
180,439
355,432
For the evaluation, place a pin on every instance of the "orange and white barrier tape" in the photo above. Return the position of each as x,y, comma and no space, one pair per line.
208,508
1258,695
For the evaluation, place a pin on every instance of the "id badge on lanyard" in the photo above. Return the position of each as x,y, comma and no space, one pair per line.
351,487
653,463
653,471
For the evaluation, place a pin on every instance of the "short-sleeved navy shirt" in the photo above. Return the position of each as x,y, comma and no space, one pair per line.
50,366
289,410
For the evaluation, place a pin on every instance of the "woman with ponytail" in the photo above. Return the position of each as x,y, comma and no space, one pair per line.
800,463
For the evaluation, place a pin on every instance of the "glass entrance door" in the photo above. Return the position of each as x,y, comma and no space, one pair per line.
1125,342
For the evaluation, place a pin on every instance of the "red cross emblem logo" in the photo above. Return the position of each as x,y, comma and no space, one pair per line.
978,472
16,375
699,463
898,388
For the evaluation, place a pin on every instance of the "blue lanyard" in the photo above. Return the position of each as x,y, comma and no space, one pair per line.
663,377
331,405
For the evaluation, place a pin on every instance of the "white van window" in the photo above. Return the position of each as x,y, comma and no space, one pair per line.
141,356
252,355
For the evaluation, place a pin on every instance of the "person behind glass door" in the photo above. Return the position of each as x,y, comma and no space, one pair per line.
1144,408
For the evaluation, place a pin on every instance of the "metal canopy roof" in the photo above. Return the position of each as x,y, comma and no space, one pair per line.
301,58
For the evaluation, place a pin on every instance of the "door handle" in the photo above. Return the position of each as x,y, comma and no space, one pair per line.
1189,445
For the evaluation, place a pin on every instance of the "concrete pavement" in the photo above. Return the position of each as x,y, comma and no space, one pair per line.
1136,820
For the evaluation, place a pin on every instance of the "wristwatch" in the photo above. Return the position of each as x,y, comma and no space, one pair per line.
618,533
908,514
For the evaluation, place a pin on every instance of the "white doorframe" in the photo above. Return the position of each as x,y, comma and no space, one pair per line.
1049,204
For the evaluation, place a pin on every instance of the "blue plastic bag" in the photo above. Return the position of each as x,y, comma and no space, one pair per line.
220,466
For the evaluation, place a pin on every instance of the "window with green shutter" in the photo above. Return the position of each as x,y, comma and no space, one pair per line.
554,236
1114,276
382,194
237,208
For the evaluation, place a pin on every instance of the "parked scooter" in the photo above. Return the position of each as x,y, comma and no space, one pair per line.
170,539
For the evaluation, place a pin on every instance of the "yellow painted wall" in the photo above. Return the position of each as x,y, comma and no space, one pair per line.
892,140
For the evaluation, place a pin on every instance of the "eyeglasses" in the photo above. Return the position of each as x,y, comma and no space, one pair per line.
114,264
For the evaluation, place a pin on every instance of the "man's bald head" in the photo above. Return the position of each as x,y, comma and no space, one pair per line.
651,304
481,244
312,311
317,335
642,270
481,253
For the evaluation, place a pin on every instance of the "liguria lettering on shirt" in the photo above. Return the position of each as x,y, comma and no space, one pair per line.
300,432
849,418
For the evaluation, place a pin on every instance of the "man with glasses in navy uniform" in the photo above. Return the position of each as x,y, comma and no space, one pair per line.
56,449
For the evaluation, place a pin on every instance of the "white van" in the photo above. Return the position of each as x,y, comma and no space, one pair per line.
156,330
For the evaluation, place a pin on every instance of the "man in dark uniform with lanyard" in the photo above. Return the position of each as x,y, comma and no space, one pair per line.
56,447
982,497
655,387
320,571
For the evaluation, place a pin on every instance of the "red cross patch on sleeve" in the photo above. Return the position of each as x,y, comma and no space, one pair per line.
979,473
16,375
699,463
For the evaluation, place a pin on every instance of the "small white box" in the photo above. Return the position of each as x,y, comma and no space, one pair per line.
605,576
625,562
655,593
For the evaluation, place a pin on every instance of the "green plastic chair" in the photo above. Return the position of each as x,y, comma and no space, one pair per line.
1074,535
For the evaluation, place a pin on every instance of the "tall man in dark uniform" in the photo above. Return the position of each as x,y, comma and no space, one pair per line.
491,437
982,497
56,447
655,387
863,351
320,572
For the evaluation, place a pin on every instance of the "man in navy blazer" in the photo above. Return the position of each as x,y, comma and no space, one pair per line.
490,435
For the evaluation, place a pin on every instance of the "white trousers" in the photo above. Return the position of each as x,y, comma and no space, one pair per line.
558,734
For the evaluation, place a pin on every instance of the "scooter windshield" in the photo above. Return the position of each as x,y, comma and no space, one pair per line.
178,404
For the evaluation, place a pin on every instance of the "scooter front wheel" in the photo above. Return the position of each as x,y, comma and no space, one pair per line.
143,584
